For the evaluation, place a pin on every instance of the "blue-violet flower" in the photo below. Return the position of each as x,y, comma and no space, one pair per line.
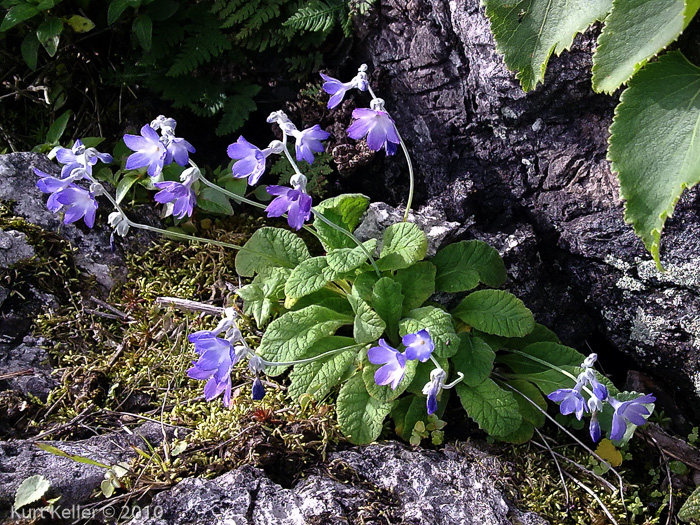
149,151
433,387
571,400
250,160
379,128
216,358
180,194
308,142
418,346
337,89
629,411
394,364
293,201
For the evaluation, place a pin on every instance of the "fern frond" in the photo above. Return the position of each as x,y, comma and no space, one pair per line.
318,15
199,48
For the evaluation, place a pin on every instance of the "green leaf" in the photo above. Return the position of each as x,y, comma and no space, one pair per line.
553,353
521,435
262,297
214,201
30,490
496,312
495,410
343,260
80,24
527,32
16,15
368,325
162,9
309,276
690,511
124,185
439,325
528,410
385,393
115,10
540,334
387,300
404,243
635,31
655,144
360,416
143,29
474,359
295,333
30,50
364,284
270,247
79,459
58,128
345,211
417,284
462,265
319,377
49,34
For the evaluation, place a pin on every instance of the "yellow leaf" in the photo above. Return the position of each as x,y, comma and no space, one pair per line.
609,453
79,24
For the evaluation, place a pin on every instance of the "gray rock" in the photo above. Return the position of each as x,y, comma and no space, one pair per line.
33,361
14,248
73,481
379,216
528,172
355,486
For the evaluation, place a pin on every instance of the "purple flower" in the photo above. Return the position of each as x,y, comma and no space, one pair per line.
433,387
79,157
216,358
150,151
295,202
308,142
181,195
250,160
571,400
629,412
394,364
418,346
49,184
79,204
179,150
258,389
594,428
379,128
337,89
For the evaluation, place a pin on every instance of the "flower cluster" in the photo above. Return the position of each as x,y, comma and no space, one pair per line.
66,196
218,355
419,347
155,151
572,402
373,122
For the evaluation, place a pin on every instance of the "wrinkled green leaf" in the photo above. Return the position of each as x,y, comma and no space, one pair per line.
343,260
690,511
368,325
309,276
527,32
345,211
404,243
295,333
387,300
635,31
495,312
417,284
494,410
262,297
474,359
270,247
655,144
360,416
462,265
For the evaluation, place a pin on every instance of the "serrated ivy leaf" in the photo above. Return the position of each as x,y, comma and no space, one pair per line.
495,312
439,325
385,393
295,333
143,29
345,211
655,145
30,490
309,276
30,50
462,265
474,359
49,34
262,297
320,377
527,32
417,284
17,14
270,247
494,410
368,326
635,31
387,300
360,416
403,244
553,353
125,184
343,260
690,511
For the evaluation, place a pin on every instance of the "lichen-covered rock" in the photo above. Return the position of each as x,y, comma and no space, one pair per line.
73,481
528,173
361,485
14,248
31,365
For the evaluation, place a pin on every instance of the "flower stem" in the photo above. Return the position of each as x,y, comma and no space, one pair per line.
411,182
